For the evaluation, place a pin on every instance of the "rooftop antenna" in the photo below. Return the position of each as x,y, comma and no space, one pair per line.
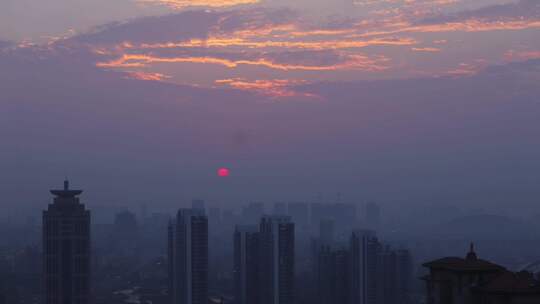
471,255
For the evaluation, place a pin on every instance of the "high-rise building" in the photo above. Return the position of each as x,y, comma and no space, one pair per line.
198,204
276,260
318,212
373,216
364,247
66,249
344,216
214,221
387,276
299,213
280,209
253,212
404,275
126,226
332,276
188,257
326,232
246,264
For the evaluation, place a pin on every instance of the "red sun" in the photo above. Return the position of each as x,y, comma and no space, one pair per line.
223,172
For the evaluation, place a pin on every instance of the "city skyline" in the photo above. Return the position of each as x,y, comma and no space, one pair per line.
270,152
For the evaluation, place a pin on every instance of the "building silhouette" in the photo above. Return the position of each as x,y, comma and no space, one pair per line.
470,280
373,216
280,209
188,257
333,276
252,212
66,249
364,272
126,226
344,216
299,213
326,232
276,260
364,248
246,264
394,273
404,276
198,204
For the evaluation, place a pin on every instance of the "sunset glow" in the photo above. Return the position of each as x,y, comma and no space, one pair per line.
223,172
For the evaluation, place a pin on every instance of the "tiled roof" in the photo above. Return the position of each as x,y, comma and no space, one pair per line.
463,265
512,282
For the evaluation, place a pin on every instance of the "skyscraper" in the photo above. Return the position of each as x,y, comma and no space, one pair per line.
332,276
246,264
387,277
373,216
404,275
198,204
364,248
299,212
253,212
188,257
66,249
326,232
280,208
276,260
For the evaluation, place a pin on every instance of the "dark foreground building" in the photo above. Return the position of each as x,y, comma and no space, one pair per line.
471,280
188,257
66,249
364,247
276,260
246,264
333,276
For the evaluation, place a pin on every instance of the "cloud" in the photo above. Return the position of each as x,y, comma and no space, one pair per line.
197,24
275,88
148,76
426,49
467,69
216,42
521,10
268,38
183,4
247,42
514,55
326,61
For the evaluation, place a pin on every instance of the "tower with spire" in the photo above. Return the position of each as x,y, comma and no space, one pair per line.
66,249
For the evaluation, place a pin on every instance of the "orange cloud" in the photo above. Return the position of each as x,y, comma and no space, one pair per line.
311,45
354,62
426,49
182,4
441,41
465,26
467,69
275,88
521,55
256,39
147,76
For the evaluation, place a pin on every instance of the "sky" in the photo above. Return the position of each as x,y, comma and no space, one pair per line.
391,100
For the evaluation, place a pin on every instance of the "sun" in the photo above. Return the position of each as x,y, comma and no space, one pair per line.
223,172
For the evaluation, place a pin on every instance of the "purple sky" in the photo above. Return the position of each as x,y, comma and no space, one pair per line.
398,101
